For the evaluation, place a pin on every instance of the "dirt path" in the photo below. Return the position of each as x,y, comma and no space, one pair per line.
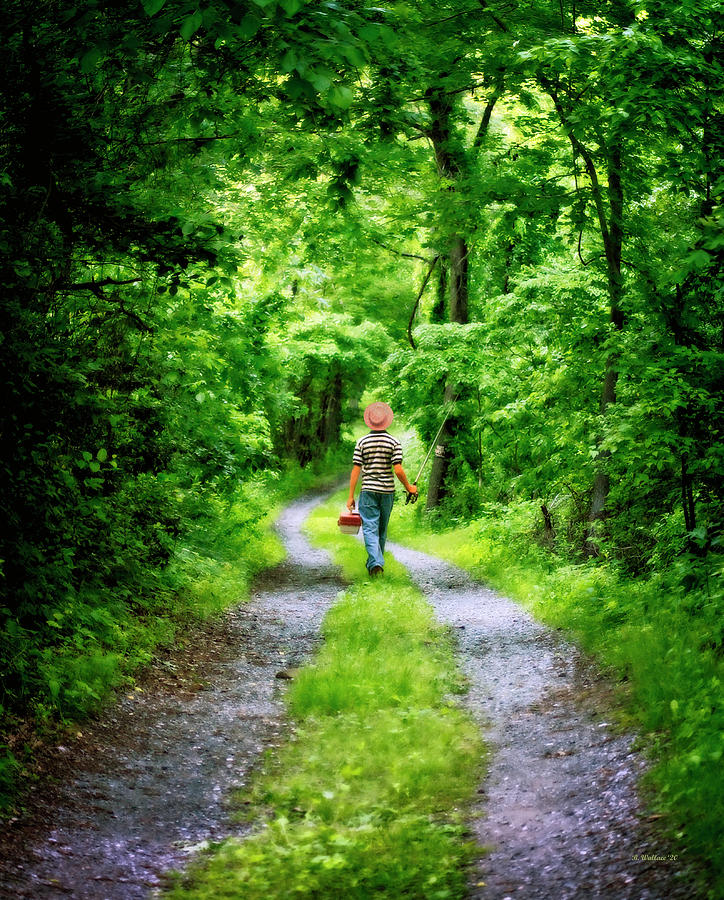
150,781
559,809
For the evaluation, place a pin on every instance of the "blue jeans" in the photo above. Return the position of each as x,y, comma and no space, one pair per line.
375,508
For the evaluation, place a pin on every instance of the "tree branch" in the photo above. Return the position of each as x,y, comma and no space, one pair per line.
97,286
585,155
417,302
487,113
467,87
501,25
464,12
400,252
580,253
190,140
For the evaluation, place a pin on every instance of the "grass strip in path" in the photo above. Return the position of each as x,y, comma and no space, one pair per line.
368,799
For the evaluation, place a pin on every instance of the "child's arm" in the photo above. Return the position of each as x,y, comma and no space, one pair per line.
352,485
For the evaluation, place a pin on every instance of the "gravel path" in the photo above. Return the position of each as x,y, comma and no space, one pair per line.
559,810
150,781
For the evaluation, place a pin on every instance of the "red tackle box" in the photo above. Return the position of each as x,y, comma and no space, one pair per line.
349,522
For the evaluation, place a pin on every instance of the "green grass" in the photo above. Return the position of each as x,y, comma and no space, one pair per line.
661,643
368,798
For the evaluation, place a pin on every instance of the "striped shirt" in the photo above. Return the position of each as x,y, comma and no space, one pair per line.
377,452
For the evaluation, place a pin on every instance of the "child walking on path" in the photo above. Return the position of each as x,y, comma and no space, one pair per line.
377,455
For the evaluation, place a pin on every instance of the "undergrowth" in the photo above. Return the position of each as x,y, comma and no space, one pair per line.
97,647
367,799
661,641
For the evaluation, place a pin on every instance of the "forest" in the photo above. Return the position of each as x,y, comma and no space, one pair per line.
227,224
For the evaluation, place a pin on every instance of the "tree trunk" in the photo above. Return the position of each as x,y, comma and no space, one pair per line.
611,227
458,310
438,312
333,412
687,497
459,280
450,164
549,532
437,485
613,246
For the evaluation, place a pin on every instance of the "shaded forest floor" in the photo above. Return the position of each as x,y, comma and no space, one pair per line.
150,782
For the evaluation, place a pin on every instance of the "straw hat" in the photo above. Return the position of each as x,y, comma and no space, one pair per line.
378,416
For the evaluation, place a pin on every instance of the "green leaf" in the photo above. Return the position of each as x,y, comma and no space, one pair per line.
354,55
289,60
248,27
699,259
341,96
370,33
94,466
102,455
191,25
90,60
320,80
291,7
151,7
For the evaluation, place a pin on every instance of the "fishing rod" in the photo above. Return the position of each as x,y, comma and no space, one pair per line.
412,498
